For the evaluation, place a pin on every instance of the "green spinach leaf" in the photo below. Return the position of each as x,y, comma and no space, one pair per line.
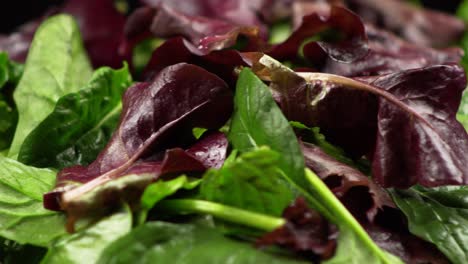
56,65
80,125
87,245
462,114
185,243
438,215
252,182
22,217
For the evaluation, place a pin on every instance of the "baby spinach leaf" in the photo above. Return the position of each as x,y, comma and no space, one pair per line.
9,117
157,191
252,182
22,217
80,124
184,244
56,65
87,244
462,114
438,215
258,121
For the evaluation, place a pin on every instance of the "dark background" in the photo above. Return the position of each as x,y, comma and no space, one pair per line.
16,12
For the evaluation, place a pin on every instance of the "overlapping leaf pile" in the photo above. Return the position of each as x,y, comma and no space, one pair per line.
325,131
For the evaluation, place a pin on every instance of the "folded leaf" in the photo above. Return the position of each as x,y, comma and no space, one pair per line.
22,217
438,215
199,244
56,65
80,124
146,128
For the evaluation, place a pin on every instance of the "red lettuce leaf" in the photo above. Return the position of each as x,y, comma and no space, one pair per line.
418,139
389,54
351,46
147,127
418,25
357,192
305,232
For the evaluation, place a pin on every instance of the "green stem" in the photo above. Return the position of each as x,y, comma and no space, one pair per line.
228,213
341,213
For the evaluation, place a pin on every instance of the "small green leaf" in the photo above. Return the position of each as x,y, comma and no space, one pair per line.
22,217
80,125
438,215
462,114
258,121
161,189
87,245
252,182
56,65
185,244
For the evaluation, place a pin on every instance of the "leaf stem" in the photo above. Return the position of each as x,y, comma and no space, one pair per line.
341,213
228,213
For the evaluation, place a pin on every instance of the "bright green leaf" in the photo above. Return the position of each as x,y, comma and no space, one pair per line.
462,114
56,65
438,215
80,125
87,245
22,217
185,244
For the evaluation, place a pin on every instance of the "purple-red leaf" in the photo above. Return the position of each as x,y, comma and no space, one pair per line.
418,25
359,194
305,232
418,139
155,116
319,18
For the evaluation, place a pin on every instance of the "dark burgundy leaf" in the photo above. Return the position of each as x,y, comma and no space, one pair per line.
206,34
319,18
102,28
176,50
305,232
418,139
418,25
155,116
237,12
359,194
211,150
388,54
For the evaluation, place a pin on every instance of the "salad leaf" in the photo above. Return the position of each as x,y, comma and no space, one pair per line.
198,243
462,114
258,121
414,112
22,217
80,124
306,232
88,244
438,215
56,65
251,182
433,28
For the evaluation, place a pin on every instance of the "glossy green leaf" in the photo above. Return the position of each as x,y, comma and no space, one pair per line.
80,125
438,215
22,217
8,119
252,182
462,114
185,244
161,189
258,121
87,245
56,65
